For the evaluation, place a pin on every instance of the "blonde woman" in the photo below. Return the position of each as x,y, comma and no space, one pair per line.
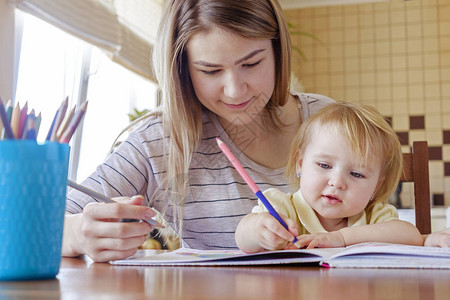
348,162
223,67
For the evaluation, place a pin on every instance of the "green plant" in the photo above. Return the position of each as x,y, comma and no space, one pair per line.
137,114
294,30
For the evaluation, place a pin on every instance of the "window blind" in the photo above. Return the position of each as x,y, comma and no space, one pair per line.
125,29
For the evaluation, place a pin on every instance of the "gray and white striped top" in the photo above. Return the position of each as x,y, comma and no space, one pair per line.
217,197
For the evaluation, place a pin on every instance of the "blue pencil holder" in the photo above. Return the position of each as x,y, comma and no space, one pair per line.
33,183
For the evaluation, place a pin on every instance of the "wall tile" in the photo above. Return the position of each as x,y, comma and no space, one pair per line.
446,154
437,184
417,135
400,122
416,107
403,137
435,153
415,60
413,16
416,122
414,46
433,107
416,94
434,137
385,108
446,120
447,170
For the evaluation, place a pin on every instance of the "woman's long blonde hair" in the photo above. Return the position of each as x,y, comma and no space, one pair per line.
369,135
180,109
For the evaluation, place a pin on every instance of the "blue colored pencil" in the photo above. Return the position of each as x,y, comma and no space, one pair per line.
38,123
57,120
29,131
3,115
9,109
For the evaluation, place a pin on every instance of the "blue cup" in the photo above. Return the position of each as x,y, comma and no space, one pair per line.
33,183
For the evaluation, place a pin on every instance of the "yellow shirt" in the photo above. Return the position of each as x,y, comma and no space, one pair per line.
296,208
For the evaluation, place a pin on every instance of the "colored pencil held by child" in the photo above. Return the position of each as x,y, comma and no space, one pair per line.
345,161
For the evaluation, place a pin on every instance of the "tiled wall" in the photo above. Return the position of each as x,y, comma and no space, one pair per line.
394,55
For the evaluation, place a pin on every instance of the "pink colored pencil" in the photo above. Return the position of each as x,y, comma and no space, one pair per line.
22,119
237,165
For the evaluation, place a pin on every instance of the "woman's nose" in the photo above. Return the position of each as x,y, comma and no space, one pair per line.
234,86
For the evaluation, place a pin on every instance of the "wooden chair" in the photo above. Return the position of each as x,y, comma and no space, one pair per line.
415,169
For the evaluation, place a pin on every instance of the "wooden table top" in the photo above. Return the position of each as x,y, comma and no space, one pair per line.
80,279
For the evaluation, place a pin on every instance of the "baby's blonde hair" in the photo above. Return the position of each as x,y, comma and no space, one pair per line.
369,135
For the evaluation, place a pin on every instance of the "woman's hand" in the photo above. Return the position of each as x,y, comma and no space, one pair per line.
98,232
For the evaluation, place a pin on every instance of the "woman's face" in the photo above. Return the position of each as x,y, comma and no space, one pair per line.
234,77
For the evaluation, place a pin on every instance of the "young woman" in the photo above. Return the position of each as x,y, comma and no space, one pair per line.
223,67
348,160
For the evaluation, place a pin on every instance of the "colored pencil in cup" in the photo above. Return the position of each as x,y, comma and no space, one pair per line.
8,134
73,125
9,109
237,165
56,120
29,132
15,120
22,119
99,196
1,123
59,117
65,122
38,122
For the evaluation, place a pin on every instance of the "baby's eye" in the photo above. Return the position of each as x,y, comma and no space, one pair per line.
357,175
251,65
324,165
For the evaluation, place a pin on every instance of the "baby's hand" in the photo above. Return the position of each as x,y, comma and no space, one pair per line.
438,239
321,240
271,235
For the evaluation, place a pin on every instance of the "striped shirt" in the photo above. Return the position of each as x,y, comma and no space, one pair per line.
217,196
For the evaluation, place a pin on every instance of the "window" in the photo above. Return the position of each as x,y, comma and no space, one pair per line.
54,65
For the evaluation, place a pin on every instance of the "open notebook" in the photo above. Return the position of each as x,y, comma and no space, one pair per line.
365,255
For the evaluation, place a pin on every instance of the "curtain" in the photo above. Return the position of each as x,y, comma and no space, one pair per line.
125,29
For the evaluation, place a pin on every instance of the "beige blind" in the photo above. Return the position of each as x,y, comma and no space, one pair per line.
126,29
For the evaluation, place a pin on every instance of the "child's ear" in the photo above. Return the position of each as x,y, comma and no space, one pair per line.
379,184
298,166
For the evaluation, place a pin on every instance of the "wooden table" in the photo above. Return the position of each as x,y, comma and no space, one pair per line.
79,279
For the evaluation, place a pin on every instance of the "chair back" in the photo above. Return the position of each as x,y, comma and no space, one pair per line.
415,169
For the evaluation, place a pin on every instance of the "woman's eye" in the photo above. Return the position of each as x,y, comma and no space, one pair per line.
324,166
251,65
357,175
210,72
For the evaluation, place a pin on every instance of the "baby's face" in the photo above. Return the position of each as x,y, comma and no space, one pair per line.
333,181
